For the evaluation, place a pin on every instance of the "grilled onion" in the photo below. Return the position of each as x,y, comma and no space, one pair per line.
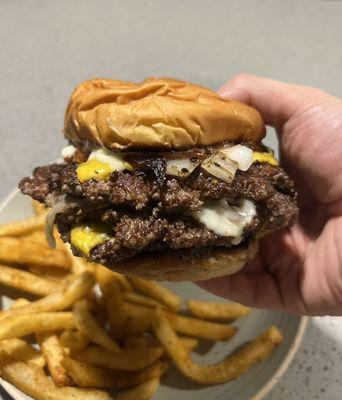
224,163
58,205
242,155
220,166
181,167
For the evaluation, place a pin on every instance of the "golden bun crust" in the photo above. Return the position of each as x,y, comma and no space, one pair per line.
169,268
157,114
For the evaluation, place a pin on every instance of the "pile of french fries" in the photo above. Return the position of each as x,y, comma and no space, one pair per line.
80,331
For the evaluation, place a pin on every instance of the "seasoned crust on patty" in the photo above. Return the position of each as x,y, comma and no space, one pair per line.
139,189
134,234
146,214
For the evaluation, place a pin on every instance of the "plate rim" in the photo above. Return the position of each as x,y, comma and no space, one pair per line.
303,323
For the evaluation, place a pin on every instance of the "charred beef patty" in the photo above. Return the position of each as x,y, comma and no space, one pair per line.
146,210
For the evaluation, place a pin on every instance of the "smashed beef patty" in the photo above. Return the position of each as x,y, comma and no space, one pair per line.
146,214
136,234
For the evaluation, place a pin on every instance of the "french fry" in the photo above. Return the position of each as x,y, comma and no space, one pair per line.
133,342
37,237
144,391
75,341
231,368
217,311
185,325
16,304
33,381
27,281
21,251
150,341
138,298
22,325
85,375
90,328
113,304
54,354
126,360
62,299
38,208
189,343
53,274
23,227
157,292
78,264
133,326
104,274
19,350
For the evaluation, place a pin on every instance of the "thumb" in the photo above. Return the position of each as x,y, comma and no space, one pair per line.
276,101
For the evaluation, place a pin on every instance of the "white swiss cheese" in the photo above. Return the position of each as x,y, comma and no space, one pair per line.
115,161
68,151
226,220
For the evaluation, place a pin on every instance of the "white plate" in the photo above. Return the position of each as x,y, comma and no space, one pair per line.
252,386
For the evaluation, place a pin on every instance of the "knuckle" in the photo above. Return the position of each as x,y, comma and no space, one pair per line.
241,80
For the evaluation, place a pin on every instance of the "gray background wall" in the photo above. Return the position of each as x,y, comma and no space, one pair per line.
47,47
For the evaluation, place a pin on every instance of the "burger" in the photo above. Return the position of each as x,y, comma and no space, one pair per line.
163,179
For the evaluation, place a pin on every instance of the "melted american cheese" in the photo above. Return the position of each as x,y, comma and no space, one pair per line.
264,158
100,164
85,237
93,169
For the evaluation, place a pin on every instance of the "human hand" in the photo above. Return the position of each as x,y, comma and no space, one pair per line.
298,269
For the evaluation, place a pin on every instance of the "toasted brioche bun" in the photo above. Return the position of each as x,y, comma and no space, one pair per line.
157,114
167,267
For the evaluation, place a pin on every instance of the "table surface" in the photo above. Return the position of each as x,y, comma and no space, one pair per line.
48,47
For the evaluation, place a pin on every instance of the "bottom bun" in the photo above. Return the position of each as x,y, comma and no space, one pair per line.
168,267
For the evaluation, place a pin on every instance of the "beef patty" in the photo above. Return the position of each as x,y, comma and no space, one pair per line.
146,213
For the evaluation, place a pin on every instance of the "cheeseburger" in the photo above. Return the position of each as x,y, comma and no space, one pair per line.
163,179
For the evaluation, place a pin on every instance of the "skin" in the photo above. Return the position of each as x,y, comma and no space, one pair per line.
298,269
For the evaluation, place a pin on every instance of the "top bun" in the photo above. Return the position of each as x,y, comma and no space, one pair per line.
157,114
